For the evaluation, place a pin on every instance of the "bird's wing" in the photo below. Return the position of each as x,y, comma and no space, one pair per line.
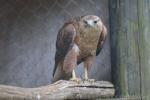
64,42
101,39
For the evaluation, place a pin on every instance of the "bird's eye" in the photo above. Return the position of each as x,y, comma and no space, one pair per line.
85,22
95,22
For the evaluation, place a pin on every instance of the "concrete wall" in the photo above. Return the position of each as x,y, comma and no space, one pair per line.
28,30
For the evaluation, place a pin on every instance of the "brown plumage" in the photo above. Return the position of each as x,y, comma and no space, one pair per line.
79,40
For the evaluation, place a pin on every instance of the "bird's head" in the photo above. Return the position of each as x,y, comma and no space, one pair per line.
90,22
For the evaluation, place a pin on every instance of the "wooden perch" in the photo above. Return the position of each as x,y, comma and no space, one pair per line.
59,90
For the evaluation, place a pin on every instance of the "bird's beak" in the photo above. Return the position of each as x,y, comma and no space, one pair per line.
90,23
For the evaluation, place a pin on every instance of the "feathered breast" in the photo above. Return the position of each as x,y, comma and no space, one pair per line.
88,42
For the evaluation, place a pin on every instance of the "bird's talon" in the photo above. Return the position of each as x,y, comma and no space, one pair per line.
89,80
78,80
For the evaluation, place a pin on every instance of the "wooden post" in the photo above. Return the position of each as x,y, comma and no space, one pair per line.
144,45
130,49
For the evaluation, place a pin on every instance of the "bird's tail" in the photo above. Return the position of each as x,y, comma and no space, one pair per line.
60,74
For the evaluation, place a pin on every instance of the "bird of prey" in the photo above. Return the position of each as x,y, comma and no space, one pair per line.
79,40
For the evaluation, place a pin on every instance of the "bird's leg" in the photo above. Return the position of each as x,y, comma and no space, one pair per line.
87,66
74,78
73,75
85,73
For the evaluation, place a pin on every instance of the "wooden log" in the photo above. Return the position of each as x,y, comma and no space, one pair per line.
59,90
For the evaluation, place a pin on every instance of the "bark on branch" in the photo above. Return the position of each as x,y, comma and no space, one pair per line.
59,90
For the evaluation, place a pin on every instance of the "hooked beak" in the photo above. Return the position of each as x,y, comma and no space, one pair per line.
89,23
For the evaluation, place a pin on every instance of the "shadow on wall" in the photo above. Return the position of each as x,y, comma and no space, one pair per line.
28,31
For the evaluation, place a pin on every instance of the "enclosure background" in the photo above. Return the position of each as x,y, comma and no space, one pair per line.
28,30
